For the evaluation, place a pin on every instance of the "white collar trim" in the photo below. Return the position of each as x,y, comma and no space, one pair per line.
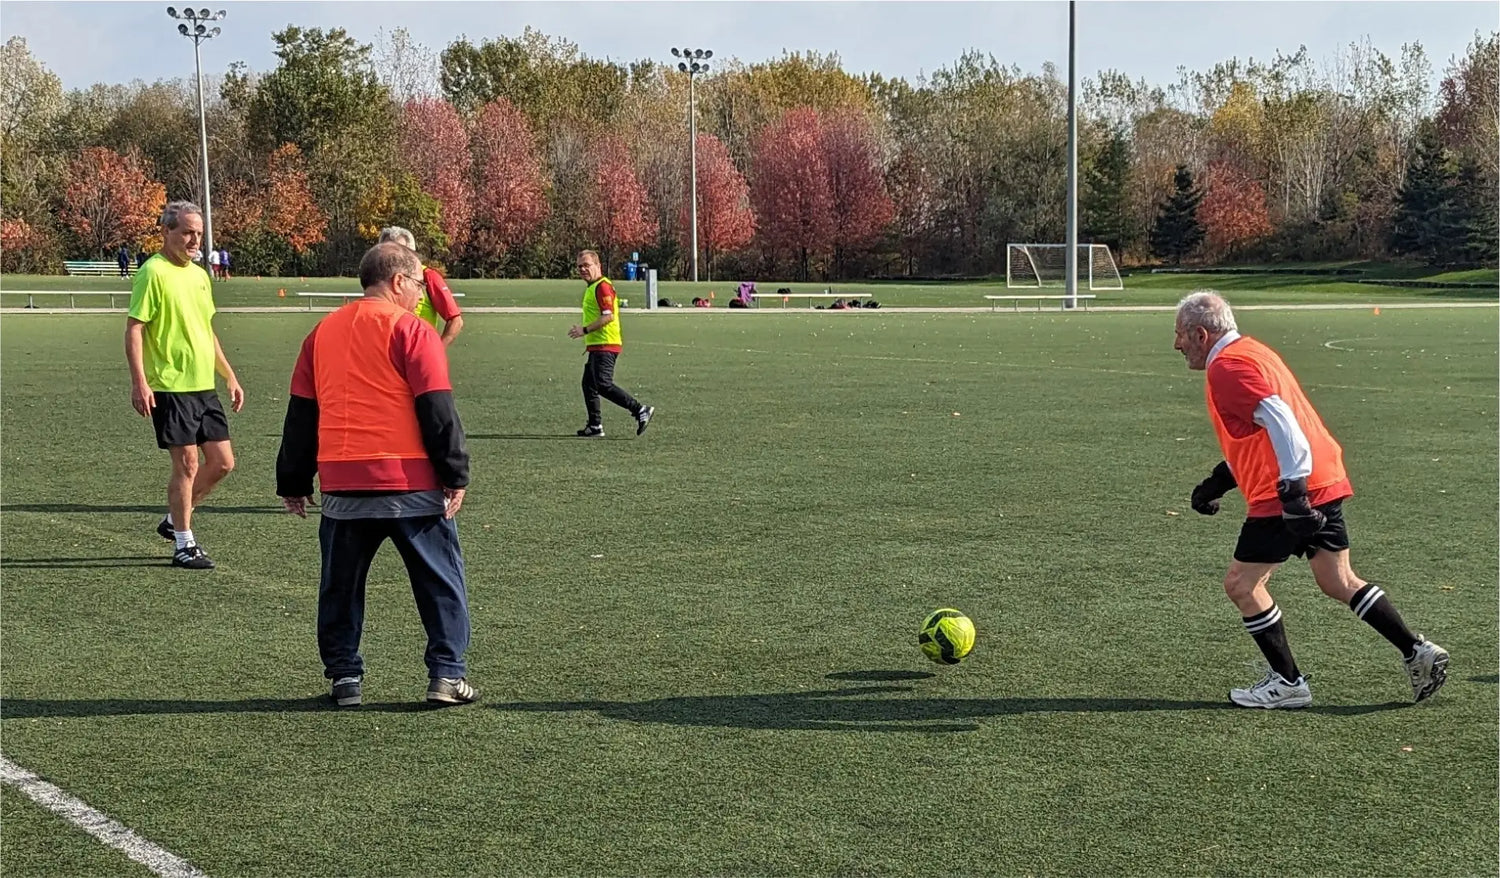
1220,345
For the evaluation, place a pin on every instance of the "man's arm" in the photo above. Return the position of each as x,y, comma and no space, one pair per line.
221,365
1240,390
141,397
444,303
604,294
297,460
451,329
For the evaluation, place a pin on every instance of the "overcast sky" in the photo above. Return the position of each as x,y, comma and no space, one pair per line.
86,42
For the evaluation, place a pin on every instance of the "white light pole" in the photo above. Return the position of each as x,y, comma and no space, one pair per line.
1070,283
194,28
695,61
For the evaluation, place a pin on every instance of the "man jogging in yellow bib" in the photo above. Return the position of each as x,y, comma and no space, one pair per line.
600,332
173,353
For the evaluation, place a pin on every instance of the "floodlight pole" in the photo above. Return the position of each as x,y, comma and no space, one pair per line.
198,32
1070,280
694,62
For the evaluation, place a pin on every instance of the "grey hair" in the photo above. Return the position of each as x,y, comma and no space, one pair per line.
176,210
384,261
1207,309
401,236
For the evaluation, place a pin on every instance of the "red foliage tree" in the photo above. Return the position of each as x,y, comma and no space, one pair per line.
1233,211
617,213
789,188
290,210
434,146
861,208
725,218
110,200
510,203
237,210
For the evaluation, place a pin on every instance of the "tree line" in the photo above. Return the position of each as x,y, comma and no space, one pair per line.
507,155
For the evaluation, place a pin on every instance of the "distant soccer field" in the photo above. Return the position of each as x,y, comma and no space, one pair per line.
698,648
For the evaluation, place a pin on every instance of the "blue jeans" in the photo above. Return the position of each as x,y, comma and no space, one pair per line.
429,547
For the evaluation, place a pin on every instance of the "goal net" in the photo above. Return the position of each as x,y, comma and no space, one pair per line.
1032,266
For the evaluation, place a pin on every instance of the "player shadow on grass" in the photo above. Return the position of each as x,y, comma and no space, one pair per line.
855,710
573,436
28,708
134,508
80,563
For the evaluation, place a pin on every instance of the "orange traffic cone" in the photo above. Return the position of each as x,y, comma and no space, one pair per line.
710,294
1377,310
281,293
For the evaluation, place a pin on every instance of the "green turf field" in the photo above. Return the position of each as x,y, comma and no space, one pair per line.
1141,288
697,648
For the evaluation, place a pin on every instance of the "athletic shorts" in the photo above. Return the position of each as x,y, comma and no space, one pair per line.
189,418
1267,540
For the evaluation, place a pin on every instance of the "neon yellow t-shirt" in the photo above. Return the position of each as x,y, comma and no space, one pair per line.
177,305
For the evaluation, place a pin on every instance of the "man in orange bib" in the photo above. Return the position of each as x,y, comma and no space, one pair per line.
1291,472
371,414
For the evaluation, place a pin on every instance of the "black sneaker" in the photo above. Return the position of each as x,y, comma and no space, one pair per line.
165,531
451,690
347,692
592,431
193,558
643,418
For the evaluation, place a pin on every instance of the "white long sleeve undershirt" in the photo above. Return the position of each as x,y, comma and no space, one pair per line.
1293,453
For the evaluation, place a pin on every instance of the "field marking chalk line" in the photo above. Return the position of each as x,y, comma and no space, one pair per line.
96,823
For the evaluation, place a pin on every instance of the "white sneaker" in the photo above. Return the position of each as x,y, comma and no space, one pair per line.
1273,691
1427,668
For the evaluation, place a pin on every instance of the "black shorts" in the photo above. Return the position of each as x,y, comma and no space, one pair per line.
1267,541
189,418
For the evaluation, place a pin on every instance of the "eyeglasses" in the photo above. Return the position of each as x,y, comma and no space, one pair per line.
416,280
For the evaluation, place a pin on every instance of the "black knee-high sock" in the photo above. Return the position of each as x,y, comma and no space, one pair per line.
1371,604
1270,636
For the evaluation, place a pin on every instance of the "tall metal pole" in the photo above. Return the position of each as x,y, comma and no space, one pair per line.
208,210
693,159
1070,283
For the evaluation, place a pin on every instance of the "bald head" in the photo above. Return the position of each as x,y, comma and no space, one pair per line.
384,261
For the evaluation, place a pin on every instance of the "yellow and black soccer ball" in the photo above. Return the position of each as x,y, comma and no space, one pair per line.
946,636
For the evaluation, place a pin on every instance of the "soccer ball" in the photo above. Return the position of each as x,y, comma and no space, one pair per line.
946,636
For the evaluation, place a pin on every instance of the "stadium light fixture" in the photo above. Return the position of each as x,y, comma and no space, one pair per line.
695,61
194,28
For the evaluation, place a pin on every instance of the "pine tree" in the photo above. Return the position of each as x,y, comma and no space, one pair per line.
1425,225
1177,231
1478,238
1104,205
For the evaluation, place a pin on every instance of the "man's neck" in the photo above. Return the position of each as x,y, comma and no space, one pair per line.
385,294
181,260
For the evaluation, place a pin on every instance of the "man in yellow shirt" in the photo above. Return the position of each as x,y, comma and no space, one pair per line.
172,352
600,331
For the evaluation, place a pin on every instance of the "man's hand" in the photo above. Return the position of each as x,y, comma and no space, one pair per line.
576,332
1297,513
453,498
142,399
296,505
236,393
1206,496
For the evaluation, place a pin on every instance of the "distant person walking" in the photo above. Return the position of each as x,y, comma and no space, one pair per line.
122,258
213,264
603,343
224,262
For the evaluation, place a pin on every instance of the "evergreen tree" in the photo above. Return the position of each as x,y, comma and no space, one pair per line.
1478,240
1425,225
1104,207
1177,231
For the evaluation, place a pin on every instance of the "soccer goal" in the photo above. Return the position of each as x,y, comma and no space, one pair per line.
1032,266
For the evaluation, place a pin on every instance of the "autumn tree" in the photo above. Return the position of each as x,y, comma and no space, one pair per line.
725,219
110,200
510,202
402,202
434,146
291,212
616,215
789,190
1233,211
861,210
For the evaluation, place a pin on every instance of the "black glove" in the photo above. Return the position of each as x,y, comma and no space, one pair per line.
1206,495
1297,513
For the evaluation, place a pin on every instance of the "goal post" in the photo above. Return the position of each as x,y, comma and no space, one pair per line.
1033,266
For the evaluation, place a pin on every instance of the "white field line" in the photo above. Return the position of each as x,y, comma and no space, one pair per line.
1333,344
96,823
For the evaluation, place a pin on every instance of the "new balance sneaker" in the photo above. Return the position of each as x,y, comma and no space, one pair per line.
1273,691
347,692
592,431
643,418
165,531
451,690
193,558
1427,668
